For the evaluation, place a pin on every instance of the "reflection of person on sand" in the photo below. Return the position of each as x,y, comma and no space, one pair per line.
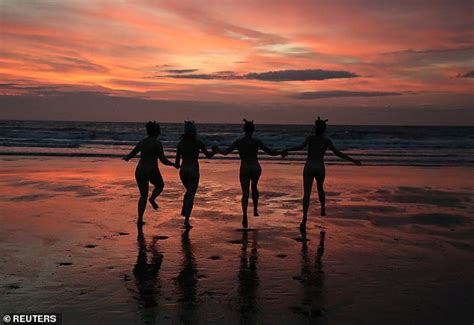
312,276
248,278
250,169
314,167
188,150
150,150
187,278
146,276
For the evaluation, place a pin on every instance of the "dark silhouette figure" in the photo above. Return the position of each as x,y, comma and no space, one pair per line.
314,167
188,150
312,277
147,170
250,169
146,277
187,279
248,279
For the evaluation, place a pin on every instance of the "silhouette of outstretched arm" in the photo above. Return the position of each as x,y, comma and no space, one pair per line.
268,150
162,157
227,151
205,151
299,147
342,155
133,153
177,162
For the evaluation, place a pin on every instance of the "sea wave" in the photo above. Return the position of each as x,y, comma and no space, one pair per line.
376,145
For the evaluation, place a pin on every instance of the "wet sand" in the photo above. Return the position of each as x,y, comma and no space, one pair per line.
398,246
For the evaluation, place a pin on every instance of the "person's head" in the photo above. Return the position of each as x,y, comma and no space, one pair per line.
249,127
153,129
320,126
190,130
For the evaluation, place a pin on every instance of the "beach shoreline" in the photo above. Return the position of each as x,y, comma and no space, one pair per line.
398,245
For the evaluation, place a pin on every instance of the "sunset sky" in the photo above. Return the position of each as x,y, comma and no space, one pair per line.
356,62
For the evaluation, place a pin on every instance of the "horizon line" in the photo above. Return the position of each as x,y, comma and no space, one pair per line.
231,123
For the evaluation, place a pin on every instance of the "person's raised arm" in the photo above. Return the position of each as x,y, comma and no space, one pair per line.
268,150
133,153
227,151
207,153
342,155
300,146
162,157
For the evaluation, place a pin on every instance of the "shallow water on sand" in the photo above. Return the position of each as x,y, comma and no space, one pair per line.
398,246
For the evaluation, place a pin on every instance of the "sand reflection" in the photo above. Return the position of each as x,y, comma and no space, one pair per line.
147,277
187,279
312,278
248,278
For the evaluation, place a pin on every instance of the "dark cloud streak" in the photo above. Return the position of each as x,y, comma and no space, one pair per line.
273,76
469,74
342,93
203,76
300,75
181,70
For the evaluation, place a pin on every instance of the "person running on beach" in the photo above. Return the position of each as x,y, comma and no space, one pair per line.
314,167
147,170
250,169
188,151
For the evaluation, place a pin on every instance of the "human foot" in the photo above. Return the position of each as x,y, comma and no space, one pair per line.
153,204
255,213
245,223
187,224
303,224
323,212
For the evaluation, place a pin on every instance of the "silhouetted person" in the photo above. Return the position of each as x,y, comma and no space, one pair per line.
314,167
147,170
250,169
146,276
188,150
312,276
187,279
248,278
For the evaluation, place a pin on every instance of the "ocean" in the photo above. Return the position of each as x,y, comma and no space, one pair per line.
373,145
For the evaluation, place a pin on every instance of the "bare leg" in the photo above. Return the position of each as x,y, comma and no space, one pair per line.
322,195
255,193
143,187
245,183
307,186
159,185
190,182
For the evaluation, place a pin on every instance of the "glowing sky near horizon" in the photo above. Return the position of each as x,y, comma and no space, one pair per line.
399,53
